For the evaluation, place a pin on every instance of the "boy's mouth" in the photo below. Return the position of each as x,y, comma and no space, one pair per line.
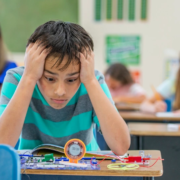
59,101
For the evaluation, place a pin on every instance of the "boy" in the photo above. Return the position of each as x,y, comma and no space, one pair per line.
58,96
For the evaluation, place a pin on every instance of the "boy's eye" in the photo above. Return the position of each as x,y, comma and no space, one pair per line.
72,80
49,79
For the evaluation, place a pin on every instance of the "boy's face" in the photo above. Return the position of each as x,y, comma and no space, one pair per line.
58,87
112,83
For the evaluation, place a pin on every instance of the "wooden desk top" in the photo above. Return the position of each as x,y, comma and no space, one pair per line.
127,107
137,115
152,129
155,171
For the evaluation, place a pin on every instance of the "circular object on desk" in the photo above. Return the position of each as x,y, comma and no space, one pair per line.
74,150
122,166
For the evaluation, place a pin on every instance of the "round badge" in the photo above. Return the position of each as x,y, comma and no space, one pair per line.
75,150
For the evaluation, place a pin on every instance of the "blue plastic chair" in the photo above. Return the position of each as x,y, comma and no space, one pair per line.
9,163
169,104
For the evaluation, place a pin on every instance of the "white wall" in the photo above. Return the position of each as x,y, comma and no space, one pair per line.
16,57
160,32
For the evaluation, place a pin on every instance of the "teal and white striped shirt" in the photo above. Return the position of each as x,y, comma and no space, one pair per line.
45,125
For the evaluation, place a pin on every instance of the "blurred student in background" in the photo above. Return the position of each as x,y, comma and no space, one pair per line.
168,90
4,64
122,86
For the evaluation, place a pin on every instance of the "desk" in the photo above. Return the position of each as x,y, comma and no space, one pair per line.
127,107
142,173
151,129
140,116
158,136
136,116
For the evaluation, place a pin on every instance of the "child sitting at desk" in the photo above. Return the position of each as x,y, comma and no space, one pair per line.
4,64
58,96
122,86
169,89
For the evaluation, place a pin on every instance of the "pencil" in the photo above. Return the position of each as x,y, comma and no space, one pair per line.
156,94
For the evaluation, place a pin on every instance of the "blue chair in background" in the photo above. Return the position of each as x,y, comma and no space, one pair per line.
9,163
169,104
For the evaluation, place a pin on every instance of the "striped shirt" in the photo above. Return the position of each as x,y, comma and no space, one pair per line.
46,125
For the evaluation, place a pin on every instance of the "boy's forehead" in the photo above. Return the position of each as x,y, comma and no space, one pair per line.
52,62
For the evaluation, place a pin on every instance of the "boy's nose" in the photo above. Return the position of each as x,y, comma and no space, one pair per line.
60,91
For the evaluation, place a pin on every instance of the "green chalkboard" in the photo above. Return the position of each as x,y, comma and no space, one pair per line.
19,18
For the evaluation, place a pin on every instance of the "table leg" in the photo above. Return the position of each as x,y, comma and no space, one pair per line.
148,178
140,142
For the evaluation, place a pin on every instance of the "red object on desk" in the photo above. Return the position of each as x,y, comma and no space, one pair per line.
133,159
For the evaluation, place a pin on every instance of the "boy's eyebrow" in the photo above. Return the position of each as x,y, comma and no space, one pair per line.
50,72
71,74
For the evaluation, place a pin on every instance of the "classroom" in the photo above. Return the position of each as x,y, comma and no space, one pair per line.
90,89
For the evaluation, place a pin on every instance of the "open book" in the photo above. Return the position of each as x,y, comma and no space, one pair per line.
58,151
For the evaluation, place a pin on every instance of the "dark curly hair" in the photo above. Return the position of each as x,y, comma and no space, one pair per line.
64,39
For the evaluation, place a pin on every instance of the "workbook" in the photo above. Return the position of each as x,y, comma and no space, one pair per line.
168,114
58,151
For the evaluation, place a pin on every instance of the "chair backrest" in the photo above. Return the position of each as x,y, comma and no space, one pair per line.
9,163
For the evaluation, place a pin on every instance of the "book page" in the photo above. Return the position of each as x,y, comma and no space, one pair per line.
167,114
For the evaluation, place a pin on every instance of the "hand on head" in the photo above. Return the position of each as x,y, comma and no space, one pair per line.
87,67
35,59
35,56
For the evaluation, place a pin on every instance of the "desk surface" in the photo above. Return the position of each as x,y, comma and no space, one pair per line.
137,115
127,107
155,171
152,129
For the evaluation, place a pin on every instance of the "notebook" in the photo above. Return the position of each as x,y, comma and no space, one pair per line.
58,151
168,114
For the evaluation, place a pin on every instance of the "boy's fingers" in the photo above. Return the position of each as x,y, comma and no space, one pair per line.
37,48
82,57
29,47
36,44
45,52
40,48
33,48
90,55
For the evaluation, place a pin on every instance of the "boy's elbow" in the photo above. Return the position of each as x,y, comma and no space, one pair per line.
123,148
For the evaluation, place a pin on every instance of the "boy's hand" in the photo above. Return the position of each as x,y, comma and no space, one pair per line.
87,68
34,61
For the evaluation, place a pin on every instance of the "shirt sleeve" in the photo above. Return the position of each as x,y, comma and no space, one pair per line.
136,90
8,89
167,88
101,80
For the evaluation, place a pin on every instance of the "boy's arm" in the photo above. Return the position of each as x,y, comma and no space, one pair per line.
113,127
12,119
